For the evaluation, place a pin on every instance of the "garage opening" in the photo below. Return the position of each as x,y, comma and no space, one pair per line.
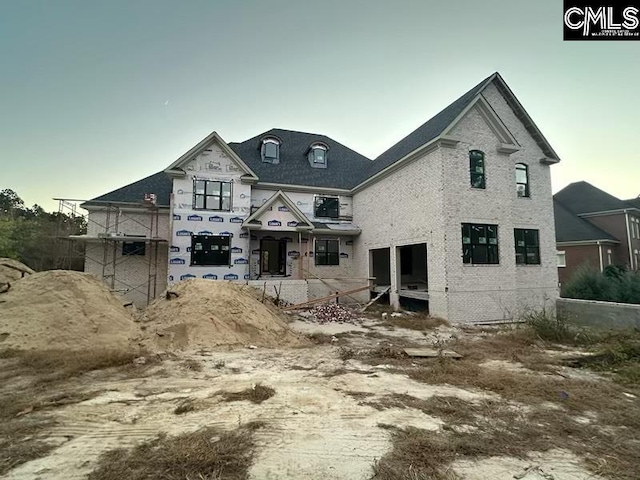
412,271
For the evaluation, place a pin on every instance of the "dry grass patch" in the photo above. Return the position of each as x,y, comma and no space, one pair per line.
204,454
256,394
373,356
191,365
19,442
420,322
185,406
319,338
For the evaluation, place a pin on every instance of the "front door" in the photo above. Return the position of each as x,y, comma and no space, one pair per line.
273,255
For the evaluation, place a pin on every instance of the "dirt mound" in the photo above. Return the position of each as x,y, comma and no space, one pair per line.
12,270
205,313
60,309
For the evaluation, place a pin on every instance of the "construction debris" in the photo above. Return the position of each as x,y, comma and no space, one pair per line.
308,304
12,270
333,312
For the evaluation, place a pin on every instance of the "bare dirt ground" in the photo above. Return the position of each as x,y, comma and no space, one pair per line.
344,408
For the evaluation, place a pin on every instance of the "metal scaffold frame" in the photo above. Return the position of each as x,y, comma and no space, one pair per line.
102,249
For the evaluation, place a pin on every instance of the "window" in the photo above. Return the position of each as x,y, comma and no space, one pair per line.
210,195
270,150
476,168
327,252
609,257
480,244
133,248
318,156
210,250
527,246
562,258
522,180
327,207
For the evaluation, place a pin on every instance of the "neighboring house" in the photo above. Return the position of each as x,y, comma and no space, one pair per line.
595,228
458,214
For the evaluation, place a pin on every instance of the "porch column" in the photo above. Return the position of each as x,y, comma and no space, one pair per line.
394,273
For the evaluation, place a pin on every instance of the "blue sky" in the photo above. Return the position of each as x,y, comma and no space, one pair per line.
95,95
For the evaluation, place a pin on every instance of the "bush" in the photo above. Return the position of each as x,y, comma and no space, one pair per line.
547,326
613,285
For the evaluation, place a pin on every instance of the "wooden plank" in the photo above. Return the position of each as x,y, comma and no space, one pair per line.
375,299
332,287
431,353
322,299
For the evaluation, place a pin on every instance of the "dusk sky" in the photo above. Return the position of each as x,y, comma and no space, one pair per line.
95,95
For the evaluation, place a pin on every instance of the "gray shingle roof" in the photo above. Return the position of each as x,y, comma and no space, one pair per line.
426,132
633,202
571,228
582,197
158,183
344,166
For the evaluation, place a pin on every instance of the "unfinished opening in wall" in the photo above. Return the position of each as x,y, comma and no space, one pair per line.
273,256
412,271
414,305
380,268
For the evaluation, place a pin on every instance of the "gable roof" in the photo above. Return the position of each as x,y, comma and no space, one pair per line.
213,137
158,183
253,219
344,165
572,228
582,197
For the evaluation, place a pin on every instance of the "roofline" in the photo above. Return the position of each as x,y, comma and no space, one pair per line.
411,156
287,201
301,188
174,168
520,109
578,243
608,212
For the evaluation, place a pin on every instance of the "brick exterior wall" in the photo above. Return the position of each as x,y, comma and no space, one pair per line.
427,200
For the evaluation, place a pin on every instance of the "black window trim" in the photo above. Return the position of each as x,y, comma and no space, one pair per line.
134,248
471,254
473,175
527,190
327,255
316,204
525,249
263,150
206,196
207,237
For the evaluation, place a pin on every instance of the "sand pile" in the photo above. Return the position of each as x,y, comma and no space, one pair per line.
61,309
12,270
208,313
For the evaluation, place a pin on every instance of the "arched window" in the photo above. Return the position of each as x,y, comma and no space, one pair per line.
270,150
476,169
318,155
522,180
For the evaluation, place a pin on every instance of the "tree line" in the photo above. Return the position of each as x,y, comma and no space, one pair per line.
38,238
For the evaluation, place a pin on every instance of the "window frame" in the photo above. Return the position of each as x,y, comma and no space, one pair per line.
205,196
221,241
480,252
133,249
474,174
316,205
563,254
323,258
263,151
523,251
313,156
527,190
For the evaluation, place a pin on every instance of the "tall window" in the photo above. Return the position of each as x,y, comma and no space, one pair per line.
210,249
327,207
476,169
527,246
561,256
327,252
210,195
270,150
480,244
522,180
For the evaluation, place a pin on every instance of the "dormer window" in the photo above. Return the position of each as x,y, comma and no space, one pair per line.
270,150
318,155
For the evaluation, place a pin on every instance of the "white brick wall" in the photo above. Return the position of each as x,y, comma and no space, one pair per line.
429,199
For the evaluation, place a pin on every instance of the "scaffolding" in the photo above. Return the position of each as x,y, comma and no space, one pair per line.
104,240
